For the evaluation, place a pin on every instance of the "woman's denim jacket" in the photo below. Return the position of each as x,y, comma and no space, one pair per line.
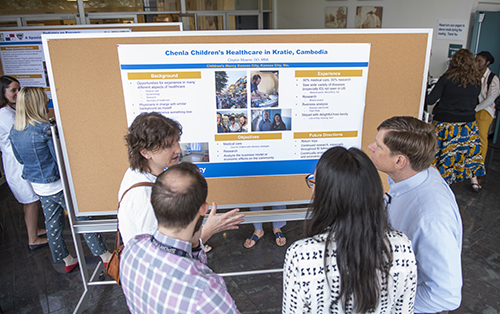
34,149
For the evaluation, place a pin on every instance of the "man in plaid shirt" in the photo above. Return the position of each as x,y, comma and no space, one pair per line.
166,272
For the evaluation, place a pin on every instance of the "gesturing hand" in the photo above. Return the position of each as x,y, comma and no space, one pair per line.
218,223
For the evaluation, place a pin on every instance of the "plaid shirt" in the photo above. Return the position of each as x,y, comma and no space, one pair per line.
155,281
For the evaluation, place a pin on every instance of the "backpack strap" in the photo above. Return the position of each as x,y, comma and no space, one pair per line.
491,76
117,238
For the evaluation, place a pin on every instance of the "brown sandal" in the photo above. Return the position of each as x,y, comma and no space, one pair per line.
279,235
253,238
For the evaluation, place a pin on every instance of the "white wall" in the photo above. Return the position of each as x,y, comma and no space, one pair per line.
294,14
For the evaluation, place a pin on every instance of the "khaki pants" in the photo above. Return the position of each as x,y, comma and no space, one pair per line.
483,119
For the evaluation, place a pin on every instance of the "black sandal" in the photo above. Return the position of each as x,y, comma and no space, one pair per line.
476,187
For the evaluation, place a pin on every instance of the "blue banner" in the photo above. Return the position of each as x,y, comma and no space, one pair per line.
17,43
244,65
257,168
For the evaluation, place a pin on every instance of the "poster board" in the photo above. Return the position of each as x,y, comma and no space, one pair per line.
20,31
21,53
89,105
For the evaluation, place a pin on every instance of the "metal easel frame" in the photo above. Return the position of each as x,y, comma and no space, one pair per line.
109,225
91,278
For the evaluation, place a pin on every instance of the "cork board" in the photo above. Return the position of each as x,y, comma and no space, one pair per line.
92,119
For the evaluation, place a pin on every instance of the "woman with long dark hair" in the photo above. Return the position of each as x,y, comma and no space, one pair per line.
351,260
278,123
460,155
22,190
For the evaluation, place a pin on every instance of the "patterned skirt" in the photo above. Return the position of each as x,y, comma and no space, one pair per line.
460,155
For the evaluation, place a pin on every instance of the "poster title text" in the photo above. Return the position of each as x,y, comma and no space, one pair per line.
244,52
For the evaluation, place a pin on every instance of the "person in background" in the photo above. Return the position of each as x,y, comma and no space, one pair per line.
254,88
422,206
258,233
278,124
233,126
460,155
33,147
371,21
265,123
485,110
22,190
220,126
244,124
351,261
171,260
153,145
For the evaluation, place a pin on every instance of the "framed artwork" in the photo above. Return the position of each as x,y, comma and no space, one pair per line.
368,17
336,17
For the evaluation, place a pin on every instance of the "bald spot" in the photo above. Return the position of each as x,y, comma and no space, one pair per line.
177,183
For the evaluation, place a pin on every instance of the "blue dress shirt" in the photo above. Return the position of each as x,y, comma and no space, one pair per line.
424,208
265,125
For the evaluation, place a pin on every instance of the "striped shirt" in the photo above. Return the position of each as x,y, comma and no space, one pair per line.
156,281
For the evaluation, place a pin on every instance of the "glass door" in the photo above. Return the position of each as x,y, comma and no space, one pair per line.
207,21
49,20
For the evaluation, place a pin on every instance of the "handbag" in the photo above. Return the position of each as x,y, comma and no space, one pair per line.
113,267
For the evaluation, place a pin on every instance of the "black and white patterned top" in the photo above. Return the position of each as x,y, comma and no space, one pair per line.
304,279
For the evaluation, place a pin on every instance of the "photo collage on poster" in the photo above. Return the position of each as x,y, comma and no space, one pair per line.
248,101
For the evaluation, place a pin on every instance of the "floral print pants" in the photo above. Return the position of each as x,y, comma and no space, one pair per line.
53,210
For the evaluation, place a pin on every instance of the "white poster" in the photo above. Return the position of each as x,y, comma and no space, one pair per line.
280,106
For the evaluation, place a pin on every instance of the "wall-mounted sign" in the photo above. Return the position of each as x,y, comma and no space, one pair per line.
452,49
451,29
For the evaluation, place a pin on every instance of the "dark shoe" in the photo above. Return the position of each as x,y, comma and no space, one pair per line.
476,187
70,268
43,235
37,246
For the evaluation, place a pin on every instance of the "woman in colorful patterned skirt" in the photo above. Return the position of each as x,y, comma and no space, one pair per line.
459,156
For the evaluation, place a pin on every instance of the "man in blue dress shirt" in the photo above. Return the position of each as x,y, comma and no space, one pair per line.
265,123
422,206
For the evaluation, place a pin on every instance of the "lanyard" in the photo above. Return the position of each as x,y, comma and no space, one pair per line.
169,249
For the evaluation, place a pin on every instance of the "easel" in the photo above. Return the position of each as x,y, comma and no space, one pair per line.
93,278
396,86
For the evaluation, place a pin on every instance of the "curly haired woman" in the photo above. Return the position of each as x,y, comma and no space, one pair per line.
460,155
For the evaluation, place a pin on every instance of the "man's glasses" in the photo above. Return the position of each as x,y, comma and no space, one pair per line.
387,199
310,180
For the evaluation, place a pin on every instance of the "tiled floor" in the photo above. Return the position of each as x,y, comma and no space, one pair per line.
31,283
